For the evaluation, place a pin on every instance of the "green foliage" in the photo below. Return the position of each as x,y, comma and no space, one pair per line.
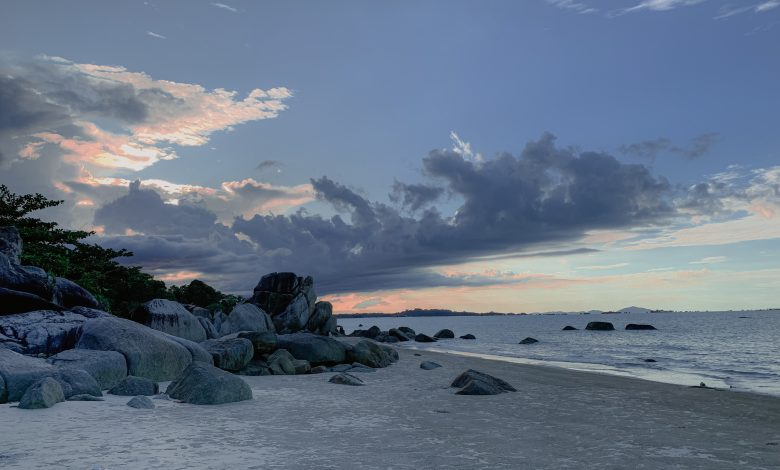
201,294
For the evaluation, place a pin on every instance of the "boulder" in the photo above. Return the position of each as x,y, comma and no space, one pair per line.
108,368
264,342
639,326
318,350
385,337
276,291
69,294
340,368
149,353
200,312
77,382
400,335
529,340
421,338
409,332
14,301
281,362
256,367
19,372
131,386
472,382
429,365
45,393
208,327
330,327
370,354
569,328
11,244
85,397
294,317
43,331
301,366
202,384
319,319
468,336
196,350
318,370
230,353
345,379
141,402
444,334
169,317
27,279
358,368
246,317
600,326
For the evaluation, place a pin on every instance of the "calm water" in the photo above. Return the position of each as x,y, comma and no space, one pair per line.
717,348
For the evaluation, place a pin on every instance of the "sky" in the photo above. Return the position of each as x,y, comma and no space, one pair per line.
544,155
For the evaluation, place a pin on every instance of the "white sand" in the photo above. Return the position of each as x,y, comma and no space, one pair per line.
408,418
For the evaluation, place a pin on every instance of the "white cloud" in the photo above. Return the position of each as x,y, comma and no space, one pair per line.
155,35
602,267
573,5
225,7
710,260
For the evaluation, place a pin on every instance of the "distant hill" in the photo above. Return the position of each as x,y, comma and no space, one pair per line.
421,312
634,310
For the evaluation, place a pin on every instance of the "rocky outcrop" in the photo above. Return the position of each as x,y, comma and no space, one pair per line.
13,301
69,294
149,353
11,244
246,317
422,338
202,384
529,340
444,334
600,326
639,326
131,386
108,368
43,394
231,354
398,334
289,299
429,365
43,331
208,327
345,379
169,317
197,352
141,402
371,354
262,342
281,362
473,382
19,372
321,320
318,350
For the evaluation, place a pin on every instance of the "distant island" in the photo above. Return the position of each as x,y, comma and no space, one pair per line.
440,312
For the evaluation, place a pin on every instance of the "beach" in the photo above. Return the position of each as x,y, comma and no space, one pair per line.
408,418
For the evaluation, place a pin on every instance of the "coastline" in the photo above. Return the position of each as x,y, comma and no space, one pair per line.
406,417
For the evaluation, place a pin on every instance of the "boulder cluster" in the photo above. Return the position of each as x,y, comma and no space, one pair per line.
404,333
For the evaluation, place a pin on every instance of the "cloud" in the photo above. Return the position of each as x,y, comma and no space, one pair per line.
603,267
269,165
414,196
728,11
155,35
650,149
573,5
225,7
710,260
658,5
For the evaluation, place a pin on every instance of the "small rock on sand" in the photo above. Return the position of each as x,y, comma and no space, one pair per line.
429,365
141,402
345,379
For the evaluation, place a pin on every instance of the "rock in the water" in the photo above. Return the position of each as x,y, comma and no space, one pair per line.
246,317
13,301
43,331
169,317
131,386
230,353
301,366
429,365
473,382
639,326
108,368
262,342
529,340
569,328
409,332
149,353
45,393
422,338
397,333
141,402
69,294
202,384
85,397
345,379
650,360
281,362
318,350
370,354
600,326
468,336
444,334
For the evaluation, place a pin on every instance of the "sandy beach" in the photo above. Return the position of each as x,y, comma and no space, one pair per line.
409,418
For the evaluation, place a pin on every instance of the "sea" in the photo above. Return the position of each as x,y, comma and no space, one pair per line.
733,350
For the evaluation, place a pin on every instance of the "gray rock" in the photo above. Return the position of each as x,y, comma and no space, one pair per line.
196,351
262,342
444,334
69,294
45,393
149,353
256,367
301,366
639,326
318,321
13,301
400,335
421,338
340,368
600,326
200,312
529,340
27,279
281,362
330,327
569,328
275,291
385,337
108,368
141,402
202,384
230,353
345,379
85,397
294,317
472,382
246,317
369,354
409,332
19,372
429,365
468,336
43,331
318,370
131,386
208,327
11,244
360,368
77,382
169,317
318,350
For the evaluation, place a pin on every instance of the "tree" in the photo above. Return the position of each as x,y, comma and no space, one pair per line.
203,295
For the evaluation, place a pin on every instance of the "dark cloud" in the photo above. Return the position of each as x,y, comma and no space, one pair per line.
701,145
414,196
267,165
650,149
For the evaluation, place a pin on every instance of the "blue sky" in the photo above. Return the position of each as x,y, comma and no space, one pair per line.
365,91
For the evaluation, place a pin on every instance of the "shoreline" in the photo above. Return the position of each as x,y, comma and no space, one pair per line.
408,418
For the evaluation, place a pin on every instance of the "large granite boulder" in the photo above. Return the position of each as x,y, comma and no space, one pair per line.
69,294
44,331
208,327
400,335
294,317
600,326
263,342
444,334
14,301
202,384
320,319
45,393
196,350
318,350
472,382
19,372
423,338
108,368
281,362
231,354
246,317
169,317
132,386
289,300
25,279
77,382
149,353
371,354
